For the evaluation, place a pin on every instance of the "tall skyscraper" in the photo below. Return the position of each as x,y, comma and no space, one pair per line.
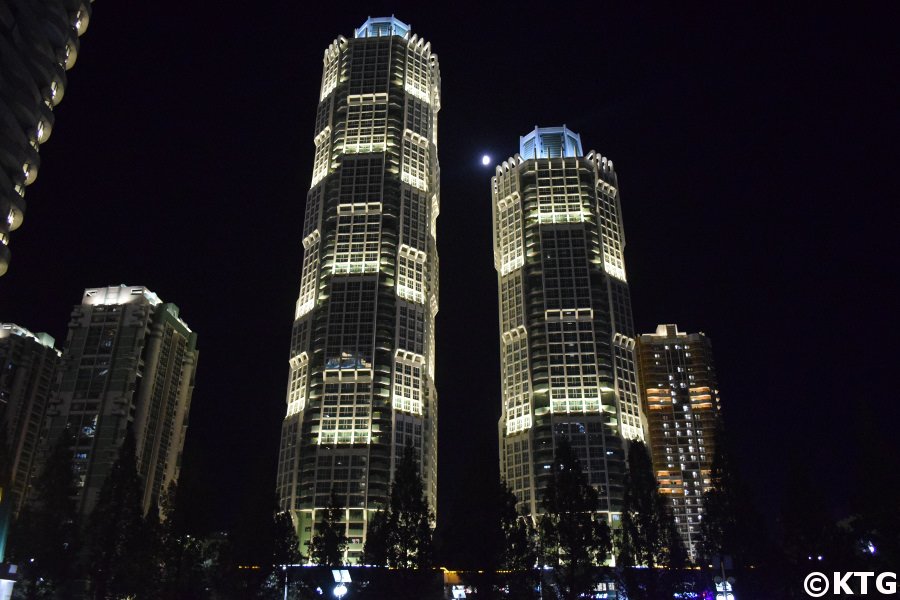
38,44
28,364
361,378
129,360
678,379
566,332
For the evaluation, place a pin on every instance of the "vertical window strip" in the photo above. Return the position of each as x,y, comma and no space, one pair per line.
516,386
408,384
309,278
411,275
298,384
346,413
358,238
365,127
574,381
559,193
414,167
322,160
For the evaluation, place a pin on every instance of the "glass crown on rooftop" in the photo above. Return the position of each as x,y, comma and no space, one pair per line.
382,27
550,142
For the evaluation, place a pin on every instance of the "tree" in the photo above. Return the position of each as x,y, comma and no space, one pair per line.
375,550
180,553
875,522
328,544
410,543
5,480
518,552
731,526
45,536
122,553
401,536
574,535
286,546
648,536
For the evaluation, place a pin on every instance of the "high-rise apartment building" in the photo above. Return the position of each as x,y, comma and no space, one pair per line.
566,331
129,361
678,382
28,364
361,383
38,44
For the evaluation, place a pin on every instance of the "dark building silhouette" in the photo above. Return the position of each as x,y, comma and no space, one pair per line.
129,361
28,364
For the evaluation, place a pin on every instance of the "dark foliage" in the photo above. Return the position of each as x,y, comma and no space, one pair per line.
648,536
401,536
286,546
180,553
573,536
122,548
518,553
45,537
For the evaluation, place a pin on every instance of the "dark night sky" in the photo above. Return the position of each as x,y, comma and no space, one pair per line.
752,153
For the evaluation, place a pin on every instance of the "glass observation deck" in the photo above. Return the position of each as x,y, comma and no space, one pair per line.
550,142
382,27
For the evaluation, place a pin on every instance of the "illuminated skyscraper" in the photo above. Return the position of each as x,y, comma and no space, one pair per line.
129,360
361,378
678,379
566,332
38,44
28,364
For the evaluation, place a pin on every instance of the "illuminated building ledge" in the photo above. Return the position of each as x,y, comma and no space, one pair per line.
518,424
8,329
508,267
359,208
614,270
571,216
305,308
580,314
332,375
570,406
311,239
409,252
624,341
513,198
322,135
515,334
353,99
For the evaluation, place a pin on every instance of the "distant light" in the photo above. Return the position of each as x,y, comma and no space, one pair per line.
485,160
871,548
340,590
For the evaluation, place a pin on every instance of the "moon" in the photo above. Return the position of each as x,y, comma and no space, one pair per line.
485,160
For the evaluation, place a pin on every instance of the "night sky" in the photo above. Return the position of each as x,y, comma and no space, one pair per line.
752,154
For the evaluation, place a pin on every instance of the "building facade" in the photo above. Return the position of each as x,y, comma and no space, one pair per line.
38,44
361,375
28,364
129,361
678,382
566,331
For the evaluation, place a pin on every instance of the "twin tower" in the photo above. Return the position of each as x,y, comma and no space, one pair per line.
361,387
